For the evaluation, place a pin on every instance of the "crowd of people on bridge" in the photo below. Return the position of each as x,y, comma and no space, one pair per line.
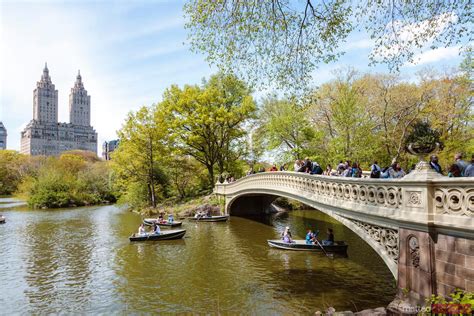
459,168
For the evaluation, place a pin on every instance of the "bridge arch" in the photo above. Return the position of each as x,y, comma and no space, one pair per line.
382,239
409,222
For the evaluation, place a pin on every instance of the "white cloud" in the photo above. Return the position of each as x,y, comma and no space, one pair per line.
358,44
400,37
434,55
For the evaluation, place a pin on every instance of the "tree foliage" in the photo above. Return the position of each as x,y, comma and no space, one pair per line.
72,179
207,122
283,126
139,157
282,41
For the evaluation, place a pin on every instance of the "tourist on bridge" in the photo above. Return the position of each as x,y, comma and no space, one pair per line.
356,170
330,240
347,169
298,165
395,171
328,171
469,171
273,168
307,166
461,163
316,168
435,165
283,167
375,170
454,171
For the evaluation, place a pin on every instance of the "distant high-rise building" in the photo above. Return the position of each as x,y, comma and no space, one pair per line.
108,148
3,137
44,135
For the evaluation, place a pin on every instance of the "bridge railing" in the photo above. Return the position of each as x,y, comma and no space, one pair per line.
443,202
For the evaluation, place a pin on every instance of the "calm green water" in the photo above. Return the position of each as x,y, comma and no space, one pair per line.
80,261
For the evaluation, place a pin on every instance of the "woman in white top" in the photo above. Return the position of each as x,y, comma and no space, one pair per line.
141,230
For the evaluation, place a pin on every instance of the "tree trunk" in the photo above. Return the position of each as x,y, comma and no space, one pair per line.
151,174
210,169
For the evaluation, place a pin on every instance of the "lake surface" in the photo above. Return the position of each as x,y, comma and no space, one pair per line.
81,261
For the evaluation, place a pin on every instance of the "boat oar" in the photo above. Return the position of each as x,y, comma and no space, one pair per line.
322,248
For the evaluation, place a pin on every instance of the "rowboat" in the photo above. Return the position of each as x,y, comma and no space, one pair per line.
168,235
151,221
337,247
222,218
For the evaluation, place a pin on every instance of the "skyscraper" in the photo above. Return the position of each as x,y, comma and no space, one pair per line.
44,135
3,137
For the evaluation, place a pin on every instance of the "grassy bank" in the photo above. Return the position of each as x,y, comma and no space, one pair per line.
185,207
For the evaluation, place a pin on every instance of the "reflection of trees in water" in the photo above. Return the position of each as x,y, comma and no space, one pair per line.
57,263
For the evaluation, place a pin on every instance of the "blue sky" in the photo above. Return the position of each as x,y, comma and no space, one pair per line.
128,52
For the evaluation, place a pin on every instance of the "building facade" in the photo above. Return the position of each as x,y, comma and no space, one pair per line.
108,148
3,137
44,135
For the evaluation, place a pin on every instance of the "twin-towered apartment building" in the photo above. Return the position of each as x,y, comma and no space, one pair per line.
44,135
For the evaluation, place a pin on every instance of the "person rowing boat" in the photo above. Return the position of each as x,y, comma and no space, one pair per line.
311,237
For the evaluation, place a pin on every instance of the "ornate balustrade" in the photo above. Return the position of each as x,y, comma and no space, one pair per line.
444,202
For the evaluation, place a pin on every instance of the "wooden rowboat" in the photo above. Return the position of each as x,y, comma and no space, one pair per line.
168,235
151,221
222,218
337,247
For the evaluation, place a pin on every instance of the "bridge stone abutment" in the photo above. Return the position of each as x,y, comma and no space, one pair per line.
422,225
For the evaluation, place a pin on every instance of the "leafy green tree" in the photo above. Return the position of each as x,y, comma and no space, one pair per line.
11,167
284,127
72,179
207,122
142,147
282,41
339,112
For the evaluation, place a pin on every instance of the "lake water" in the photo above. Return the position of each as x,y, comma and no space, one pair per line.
81,261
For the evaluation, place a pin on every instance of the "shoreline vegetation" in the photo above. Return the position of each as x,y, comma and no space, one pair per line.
75,178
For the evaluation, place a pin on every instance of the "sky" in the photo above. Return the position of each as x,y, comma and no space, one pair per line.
128,53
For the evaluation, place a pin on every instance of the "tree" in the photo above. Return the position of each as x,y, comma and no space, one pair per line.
340,113
284,126
143,140
281,41
11,165
207,121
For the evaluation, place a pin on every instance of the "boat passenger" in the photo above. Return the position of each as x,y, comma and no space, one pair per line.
287,235
330,239
160,217
309,237
170,218
156,229
141,230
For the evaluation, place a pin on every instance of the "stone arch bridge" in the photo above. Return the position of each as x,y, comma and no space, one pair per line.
422,226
